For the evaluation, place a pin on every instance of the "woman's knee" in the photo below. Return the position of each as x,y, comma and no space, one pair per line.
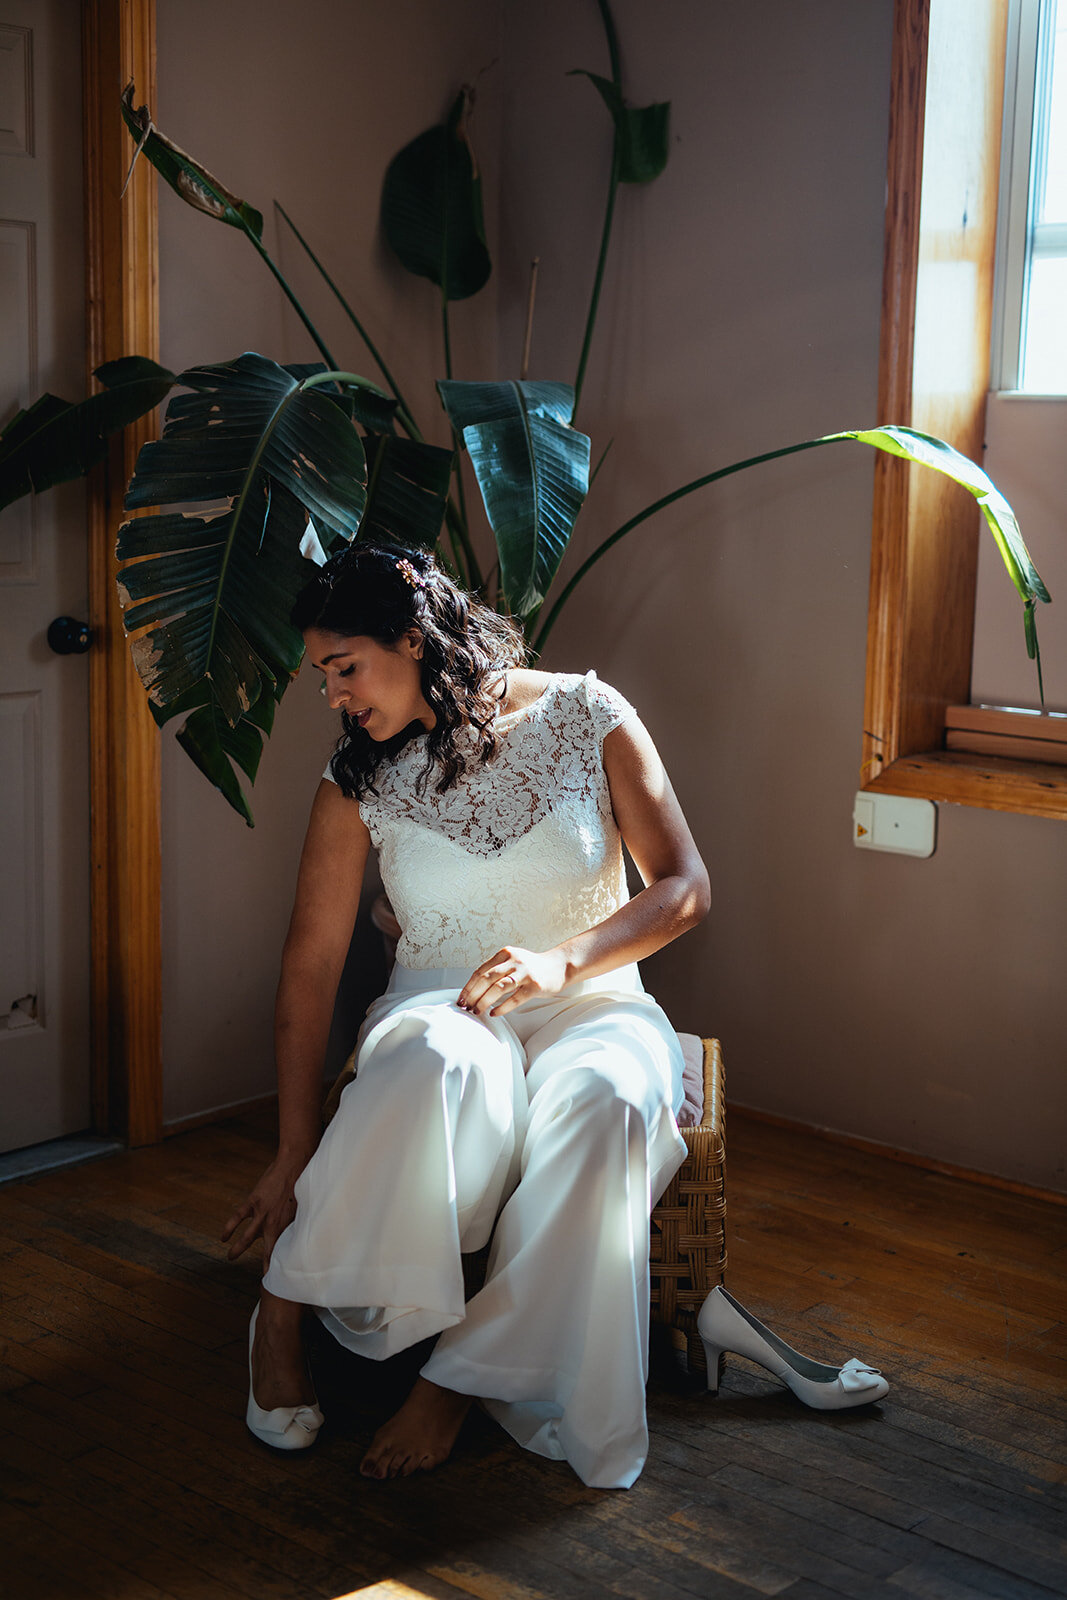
599,1092
423,1044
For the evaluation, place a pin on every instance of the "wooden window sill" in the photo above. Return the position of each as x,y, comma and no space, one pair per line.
997,783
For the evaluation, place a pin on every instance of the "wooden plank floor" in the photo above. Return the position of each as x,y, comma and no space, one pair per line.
128,1473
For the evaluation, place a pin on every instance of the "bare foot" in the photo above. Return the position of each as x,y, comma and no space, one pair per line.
421,1434
279,1370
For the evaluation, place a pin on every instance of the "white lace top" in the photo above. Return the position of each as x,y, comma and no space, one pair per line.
523,850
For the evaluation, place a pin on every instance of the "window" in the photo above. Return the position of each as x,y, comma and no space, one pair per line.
1030,312
945,129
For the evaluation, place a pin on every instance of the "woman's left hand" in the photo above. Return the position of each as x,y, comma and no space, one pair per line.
512,976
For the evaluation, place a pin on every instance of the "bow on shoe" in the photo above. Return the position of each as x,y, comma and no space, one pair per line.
858,1375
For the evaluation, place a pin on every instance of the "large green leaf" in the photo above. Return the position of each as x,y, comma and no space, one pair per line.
214,592
407,490
432,207
921,448
928,451
248,416
216,602
193,182
642,133
369,404
207,738
55,441
533,471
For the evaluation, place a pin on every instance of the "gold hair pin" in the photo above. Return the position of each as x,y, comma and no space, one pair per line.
408,573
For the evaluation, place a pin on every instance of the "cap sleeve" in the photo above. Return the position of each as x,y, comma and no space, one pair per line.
328,773
607,707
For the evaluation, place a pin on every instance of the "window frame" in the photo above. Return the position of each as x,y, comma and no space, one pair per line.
945,127
1009,295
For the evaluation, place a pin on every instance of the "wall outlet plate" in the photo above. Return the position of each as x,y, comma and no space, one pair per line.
895,822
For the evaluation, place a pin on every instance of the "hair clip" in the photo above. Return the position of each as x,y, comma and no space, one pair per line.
408,573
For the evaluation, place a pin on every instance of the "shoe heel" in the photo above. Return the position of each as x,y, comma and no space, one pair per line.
715,1356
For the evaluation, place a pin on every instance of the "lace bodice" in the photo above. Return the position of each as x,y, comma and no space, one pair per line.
523,850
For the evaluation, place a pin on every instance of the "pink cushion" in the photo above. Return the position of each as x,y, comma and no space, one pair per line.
692,1113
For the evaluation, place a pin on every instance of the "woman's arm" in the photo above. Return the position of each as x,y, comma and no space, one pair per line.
320,931
676,896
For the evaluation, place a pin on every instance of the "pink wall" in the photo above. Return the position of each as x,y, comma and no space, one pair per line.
919,1003
1025,457
915,1002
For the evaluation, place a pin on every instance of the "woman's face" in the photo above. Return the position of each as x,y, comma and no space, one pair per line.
378,685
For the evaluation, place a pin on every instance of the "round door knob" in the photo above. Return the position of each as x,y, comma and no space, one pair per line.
67,637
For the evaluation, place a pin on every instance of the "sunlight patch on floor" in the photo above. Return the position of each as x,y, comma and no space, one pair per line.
387,1589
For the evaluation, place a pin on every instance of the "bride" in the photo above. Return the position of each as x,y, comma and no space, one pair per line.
515,1082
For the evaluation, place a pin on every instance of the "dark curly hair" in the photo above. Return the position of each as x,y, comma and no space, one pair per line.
366,592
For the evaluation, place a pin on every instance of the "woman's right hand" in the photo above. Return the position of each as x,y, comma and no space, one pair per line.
268,1210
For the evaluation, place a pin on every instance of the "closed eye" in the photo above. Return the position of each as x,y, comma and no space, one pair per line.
346,672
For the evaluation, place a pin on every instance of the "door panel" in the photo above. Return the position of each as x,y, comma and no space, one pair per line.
44,877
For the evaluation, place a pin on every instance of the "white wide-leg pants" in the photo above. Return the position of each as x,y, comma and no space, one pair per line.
556,1123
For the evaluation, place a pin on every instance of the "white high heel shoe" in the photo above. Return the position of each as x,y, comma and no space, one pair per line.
724,1324
286,1427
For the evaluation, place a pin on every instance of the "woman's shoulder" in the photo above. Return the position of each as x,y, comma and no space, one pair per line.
581,695
526,686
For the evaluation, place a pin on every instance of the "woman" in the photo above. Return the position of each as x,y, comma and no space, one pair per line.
515,1080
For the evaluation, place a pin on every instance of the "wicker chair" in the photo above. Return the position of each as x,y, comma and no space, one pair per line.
687,1256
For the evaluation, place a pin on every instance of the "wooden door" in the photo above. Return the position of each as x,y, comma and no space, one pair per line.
44,782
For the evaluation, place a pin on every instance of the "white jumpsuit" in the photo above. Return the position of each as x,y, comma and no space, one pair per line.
552,1129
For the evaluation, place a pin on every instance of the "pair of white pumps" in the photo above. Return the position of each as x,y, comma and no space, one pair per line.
723,1324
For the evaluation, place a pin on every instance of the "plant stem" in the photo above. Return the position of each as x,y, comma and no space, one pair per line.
446,333
524,365
404,415
609,212
594,303
458,522
613,40
293,301
658,505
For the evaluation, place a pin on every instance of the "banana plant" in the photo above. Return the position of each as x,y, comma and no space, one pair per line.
290,460
278,454
55,441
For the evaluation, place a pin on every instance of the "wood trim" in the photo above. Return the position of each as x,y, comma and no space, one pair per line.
1001,731
1009,723
1035,788
900,260
237,1108
1007,745
118,38
889,1152
944,155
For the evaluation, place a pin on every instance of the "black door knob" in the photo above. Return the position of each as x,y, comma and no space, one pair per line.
68,637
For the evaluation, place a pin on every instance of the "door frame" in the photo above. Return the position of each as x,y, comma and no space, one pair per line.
122,298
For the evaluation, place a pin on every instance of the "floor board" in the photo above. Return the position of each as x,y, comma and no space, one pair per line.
127,1472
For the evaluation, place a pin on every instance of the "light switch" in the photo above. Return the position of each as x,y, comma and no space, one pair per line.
895,822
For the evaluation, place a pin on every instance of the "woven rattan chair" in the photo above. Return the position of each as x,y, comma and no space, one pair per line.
687,1256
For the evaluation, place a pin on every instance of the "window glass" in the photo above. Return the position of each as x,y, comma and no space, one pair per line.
1043,363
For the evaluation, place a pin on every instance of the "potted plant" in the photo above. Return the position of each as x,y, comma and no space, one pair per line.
300,457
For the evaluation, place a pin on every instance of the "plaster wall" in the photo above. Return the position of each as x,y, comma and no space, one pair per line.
917,1003
1026,459
304,105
